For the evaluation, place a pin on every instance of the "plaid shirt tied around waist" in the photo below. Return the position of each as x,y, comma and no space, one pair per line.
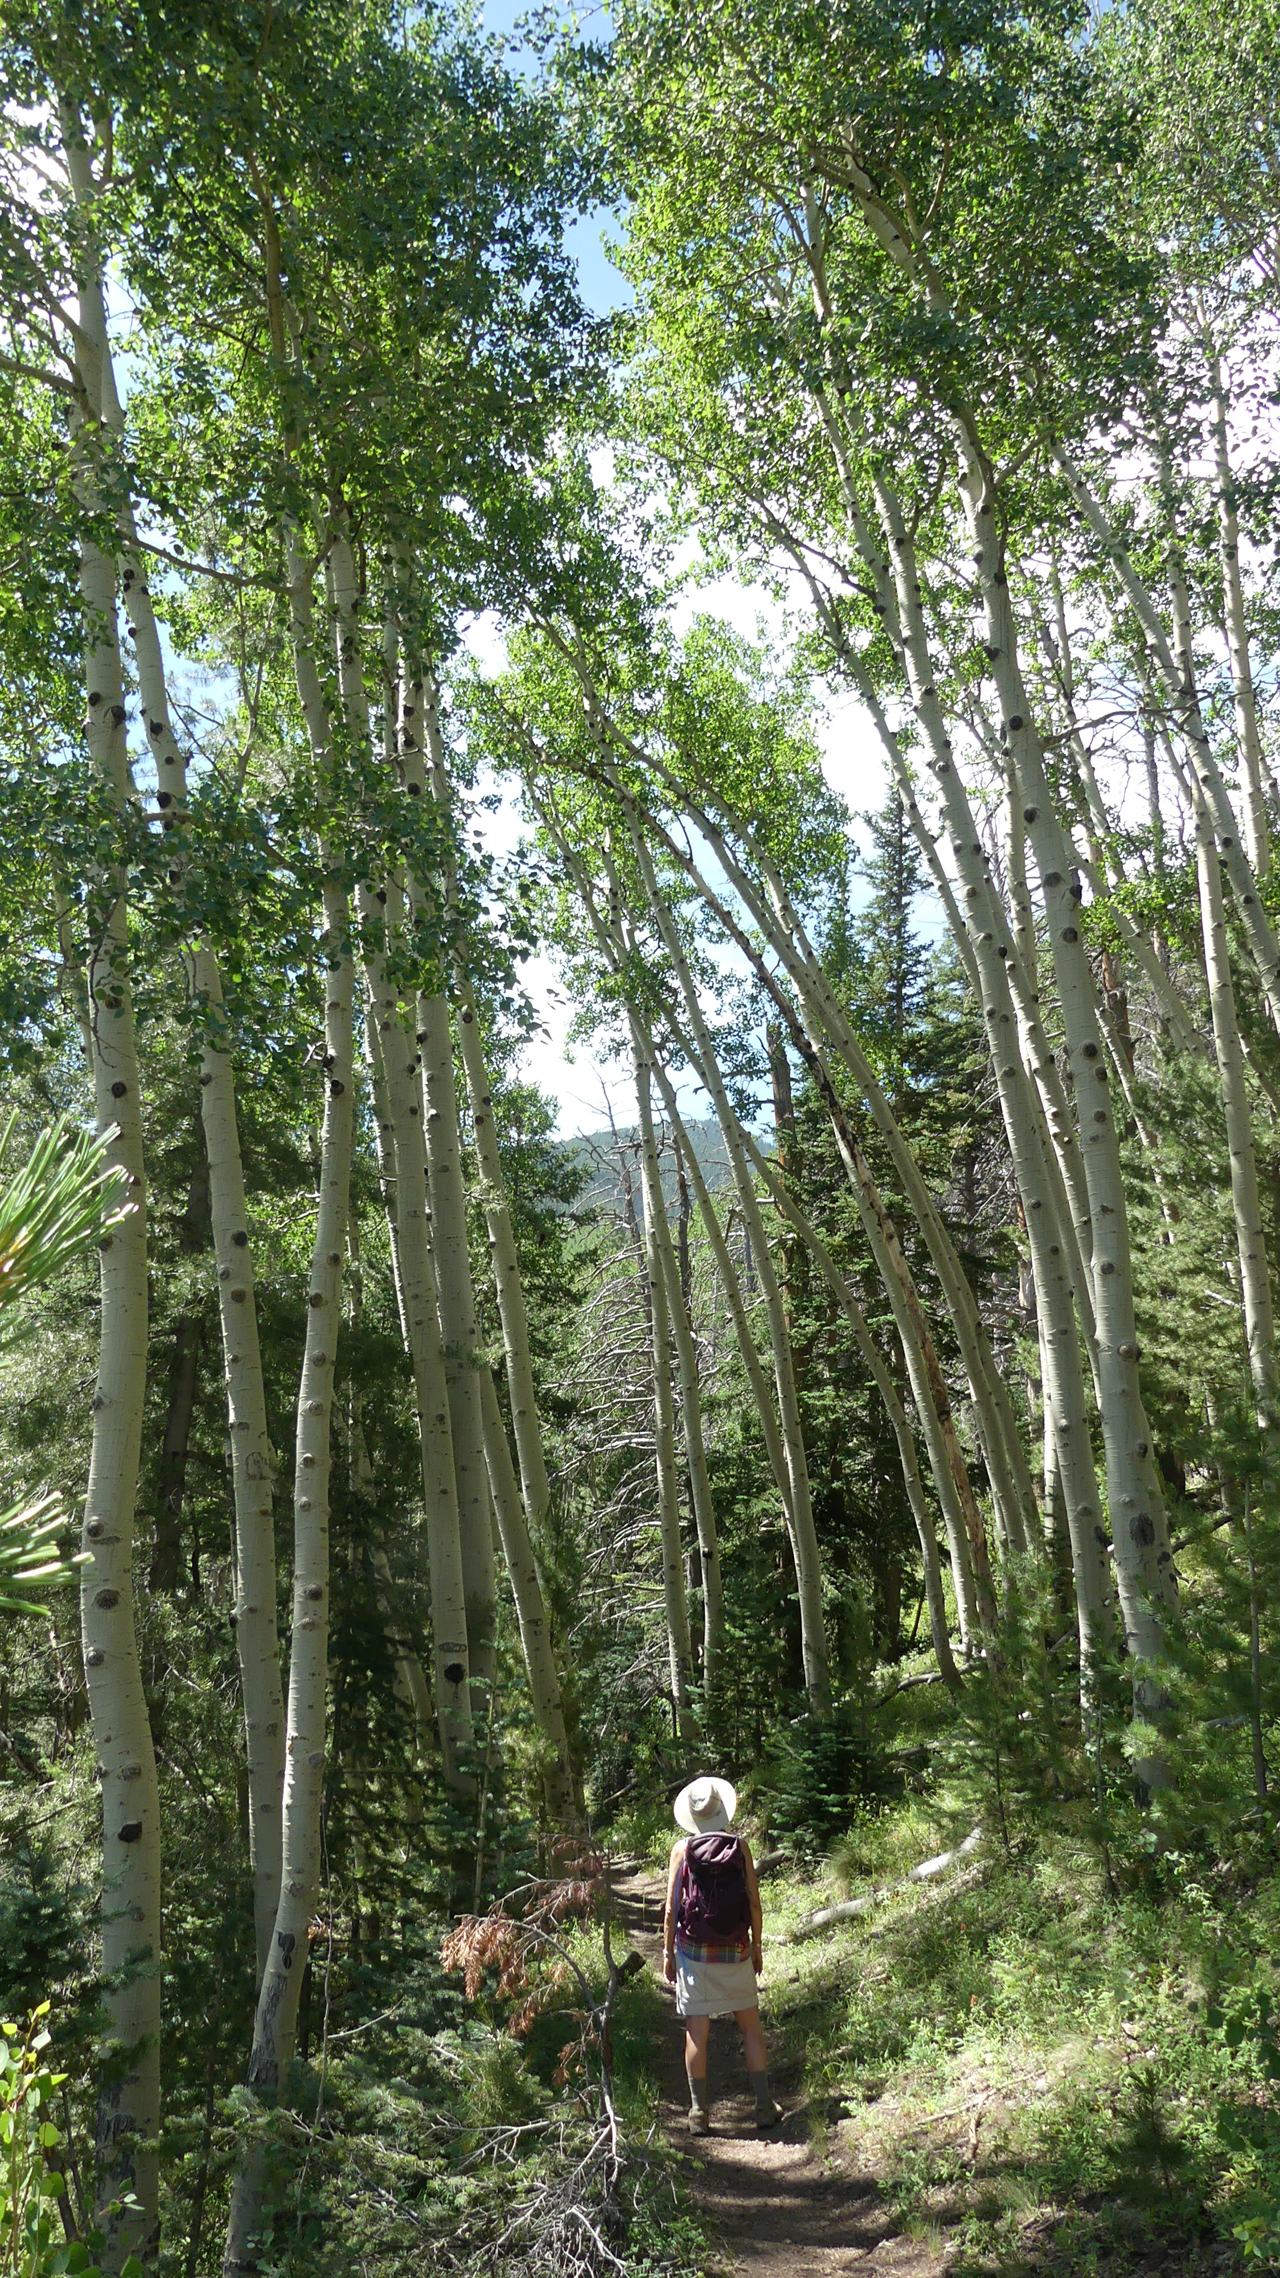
692,1951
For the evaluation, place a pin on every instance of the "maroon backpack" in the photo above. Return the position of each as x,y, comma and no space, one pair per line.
714,1909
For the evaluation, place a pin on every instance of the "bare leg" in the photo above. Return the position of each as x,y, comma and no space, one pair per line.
697,2032
752,2031
748,2024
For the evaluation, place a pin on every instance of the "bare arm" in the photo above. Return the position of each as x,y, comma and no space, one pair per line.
753,1901
669,1918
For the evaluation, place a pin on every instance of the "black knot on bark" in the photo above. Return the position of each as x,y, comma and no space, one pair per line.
336,1089
1016,722
131,1832
118,1090
454,1673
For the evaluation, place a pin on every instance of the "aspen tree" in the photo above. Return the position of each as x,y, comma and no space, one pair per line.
252,1456
873,1362
1144,1568
613,949
397,1070
463,1361
804,1541
679,1647
780,926
276,2015
964,1519
1177,682
508,1287
128,2109
519,1533
564,1800
1248,741
662,1260
1251,1243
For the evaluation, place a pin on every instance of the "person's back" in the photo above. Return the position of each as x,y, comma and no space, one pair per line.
712,1941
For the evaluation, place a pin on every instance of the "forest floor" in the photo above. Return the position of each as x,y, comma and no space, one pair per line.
930,2166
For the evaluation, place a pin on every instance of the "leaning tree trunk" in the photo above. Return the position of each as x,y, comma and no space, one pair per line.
664,1455
1144,1565
804,1539
704,1517
874,1363
1257,828
545,1699
964,1523
1251,1243
128,2114
1052,1236
1183,700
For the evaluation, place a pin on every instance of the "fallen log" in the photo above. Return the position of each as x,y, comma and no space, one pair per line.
850,1908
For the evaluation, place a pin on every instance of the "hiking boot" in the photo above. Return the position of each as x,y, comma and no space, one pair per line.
767,2117
700,2120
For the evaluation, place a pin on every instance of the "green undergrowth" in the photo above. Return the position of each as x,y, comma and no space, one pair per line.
473,2145
1040,2074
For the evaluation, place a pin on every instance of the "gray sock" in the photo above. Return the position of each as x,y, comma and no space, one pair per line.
765,2106
697,2091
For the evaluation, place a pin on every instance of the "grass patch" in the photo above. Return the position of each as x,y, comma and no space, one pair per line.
1045,2072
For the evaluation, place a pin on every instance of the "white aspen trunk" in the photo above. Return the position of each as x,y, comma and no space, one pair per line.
399,1072
252,1458
679,1646
451,1251
253,1461
732,1286
545,1698
385,1148
463,1362
412,1689
1144,1564
395,1062
612,949
1104,867
128,2116
658,1234
422,731
128,2107
874,1363
1183,699
804,1539
1255,1278
1257,829
276,2017
1002,1448
1037,1128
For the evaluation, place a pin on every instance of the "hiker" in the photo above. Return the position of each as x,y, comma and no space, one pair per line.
711,1942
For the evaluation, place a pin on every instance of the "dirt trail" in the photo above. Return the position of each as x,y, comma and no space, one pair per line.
778,2207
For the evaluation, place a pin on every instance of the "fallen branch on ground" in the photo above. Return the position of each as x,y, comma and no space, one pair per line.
850,1908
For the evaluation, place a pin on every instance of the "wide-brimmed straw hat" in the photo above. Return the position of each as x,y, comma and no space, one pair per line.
705,1806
